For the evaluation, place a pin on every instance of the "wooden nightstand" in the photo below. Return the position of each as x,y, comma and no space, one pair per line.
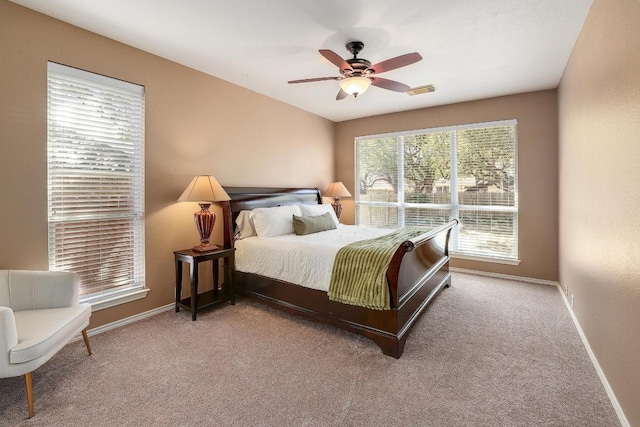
206,299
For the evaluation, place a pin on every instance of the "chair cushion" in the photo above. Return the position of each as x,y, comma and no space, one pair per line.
40,331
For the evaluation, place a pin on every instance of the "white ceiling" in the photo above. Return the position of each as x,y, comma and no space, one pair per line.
472,49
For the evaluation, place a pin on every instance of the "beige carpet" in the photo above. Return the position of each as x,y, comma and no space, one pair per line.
487,352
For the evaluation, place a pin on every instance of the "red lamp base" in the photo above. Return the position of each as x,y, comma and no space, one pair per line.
204,220
337,206
205,248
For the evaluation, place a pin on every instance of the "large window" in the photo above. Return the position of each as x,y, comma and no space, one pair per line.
431,176
96,183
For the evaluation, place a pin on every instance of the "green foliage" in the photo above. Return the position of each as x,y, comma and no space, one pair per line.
427,158
378,161
488,155
485,154
485,172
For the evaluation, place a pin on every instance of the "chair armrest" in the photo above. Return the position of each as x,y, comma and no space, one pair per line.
8,337
34,290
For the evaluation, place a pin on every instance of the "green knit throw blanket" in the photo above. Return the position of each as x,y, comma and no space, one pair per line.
359,275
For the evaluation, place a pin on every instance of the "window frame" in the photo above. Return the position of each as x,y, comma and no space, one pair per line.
58,212
454,206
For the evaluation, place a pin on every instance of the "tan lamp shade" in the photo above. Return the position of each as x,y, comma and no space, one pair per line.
337,190
204,189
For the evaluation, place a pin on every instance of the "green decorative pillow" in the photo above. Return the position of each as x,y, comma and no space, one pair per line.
313,224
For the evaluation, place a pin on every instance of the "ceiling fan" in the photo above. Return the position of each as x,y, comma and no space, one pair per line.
358,73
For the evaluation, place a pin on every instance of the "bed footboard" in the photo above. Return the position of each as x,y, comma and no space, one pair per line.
416,261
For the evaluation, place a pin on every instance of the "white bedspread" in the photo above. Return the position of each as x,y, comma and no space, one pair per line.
303,260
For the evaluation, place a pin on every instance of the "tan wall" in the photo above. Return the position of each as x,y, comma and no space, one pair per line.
195,124
537,168
599,106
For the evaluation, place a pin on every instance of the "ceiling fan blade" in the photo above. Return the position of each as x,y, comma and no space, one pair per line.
316,79
389,84
335,59
397,62
341,95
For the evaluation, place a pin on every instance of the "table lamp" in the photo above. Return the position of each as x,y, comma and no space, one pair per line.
204,189
337,190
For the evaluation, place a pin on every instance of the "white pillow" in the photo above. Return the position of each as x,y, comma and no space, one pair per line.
244,226
269,222
314,210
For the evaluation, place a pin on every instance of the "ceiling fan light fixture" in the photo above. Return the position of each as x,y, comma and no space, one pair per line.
355,85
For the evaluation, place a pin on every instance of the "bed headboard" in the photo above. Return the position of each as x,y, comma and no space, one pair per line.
247,198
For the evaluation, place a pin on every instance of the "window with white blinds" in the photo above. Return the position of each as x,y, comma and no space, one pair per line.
431,176
96,181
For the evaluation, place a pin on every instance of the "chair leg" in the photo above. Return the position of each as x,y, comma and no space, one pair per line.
29,384
86,340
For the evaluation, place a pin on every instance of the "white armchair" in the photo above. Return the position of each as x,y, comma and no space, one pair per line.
39,314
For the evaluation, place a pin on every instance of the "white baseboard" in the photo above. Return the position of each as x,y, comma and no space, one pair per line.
612,397
504,276
126,321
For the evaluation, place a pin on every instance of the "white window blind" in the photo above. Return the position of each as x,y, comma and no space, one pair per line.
431,176
96,181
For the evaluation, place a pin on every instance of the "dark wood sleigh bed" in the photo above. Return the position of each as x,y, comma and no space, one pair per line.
418,270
